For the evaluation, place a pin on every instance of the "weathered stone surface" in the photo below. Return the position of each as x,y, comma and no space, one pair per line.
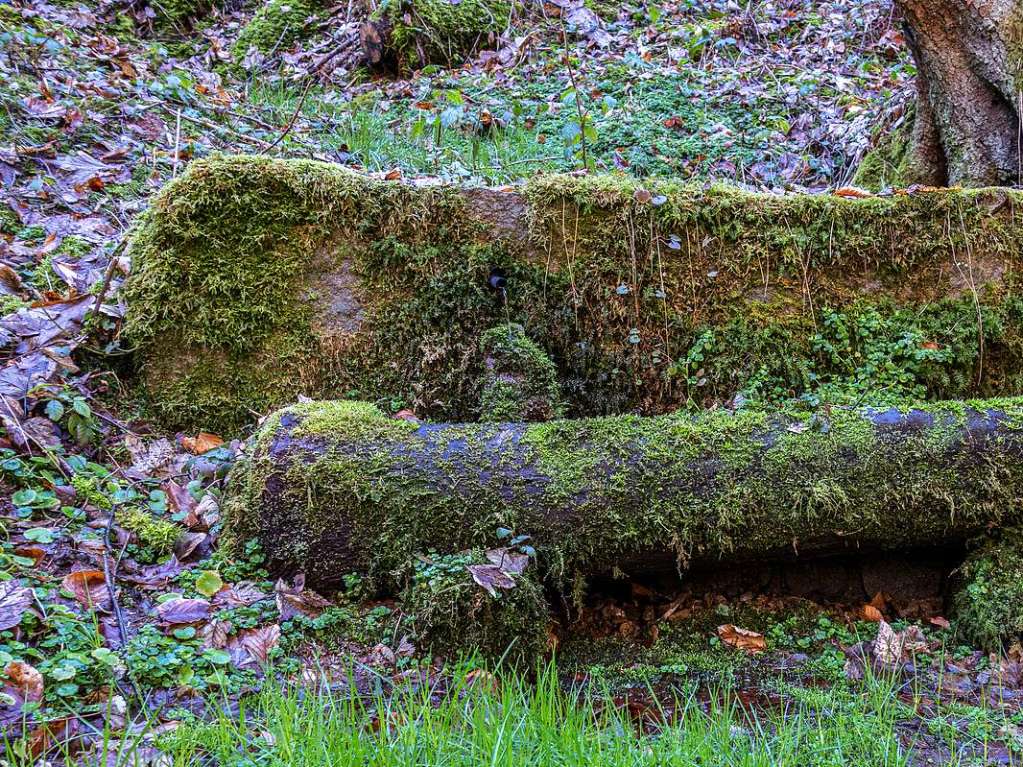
256,280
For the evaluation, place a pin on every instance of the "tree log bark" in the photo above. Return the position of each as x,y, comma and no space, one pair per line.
968,55
335,487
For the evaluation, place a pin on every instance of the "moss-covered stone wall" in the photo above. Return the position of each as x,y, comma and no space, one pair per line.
256,280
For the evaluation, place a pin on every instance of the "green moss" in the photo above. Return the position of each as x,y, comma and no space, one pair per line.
988,604
439,31
884,166
1015,46
256,280
178,15
277,25
11,304
605,9
73,247
10,224
596,493
155,534
449,612
520,381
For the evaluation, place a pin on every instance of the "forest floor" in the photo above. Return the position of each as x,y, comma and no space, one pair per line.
126,636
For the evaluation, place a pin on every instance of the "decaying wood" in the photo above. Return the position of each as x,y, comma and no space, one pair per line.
334,487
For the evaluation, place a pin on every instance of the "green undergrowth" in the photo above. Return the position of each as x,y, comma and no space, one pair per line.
506,719
257,280
989,598
178,15
690,653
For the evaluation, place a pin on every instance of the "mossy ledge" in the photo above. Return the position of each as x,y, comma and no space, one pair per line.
334,487
256,280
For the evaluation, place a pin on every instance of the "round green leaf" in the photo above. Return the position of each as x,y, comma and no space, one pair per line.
40,535
209,583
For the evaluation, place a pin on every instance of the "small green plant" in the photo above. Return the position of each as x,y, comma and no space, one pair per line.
70,409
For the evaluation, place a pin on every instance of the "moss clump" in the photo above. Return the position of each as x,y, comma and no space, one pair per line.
256,280
450,612
520,382
154,534
988,604
275,26
178,15
885,166
439,31
1015,46
10,224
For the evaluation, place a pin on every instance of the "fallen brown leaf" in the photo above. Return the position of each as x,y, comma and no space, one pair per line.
853,192
89,588
491,577
24,679
177,611
297,600
203,442
15,600
871,613
742,639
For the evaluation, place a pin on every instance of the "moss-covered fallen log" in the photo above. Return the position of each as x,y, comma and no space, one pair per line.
255,280
334,487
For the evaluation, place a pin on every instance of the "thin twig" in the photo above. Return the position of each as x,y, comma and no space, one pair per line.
108,276
177,145
108,577
294,116
311,78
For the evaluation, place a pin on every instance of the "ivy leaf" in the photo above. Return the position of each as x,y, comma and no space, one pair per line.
63,673
217,657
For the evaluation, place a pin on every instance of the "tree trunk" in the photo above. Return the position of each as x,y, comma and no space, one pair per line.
968,57
336,487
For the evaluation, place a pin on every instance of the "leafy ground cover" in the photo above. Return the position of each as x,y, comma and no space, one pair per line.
126,635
